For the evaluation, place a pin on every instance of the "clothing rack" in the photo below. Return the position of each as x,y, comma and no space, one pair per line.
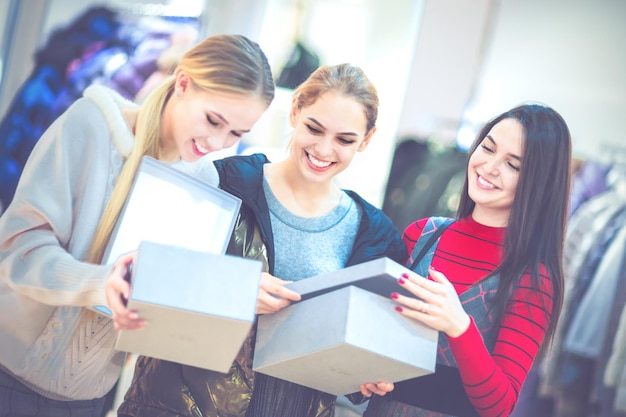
101,45
584,372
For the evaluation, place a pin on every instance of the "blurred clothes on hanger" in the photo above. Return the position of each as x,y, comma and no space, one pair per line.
301,63
98,47
424,180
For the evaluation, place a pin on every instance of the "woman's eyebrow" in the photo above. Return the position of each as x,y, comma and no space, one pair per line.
312,119
512,155
219,116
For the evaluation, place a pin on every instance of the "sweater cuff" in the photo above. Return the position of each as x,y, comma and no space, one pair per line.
85,283
97,296
463,346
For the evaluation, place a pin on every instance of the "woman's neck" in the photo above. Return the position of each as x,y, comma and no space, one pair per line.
491,218
130,116
299,195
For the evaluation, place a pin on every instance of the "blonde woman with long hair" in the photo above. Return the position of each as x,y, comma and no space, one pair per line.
56,356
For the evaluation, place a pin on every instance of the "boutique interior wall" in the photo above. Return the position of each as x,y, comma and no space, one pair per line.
442,67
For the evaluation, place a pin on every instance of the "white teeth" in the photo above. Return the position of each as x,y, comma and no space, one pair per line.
201,148
485,183
318,163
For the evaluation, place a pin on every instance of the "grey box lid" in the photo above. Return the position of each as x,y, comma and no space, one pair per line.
165,205
379,276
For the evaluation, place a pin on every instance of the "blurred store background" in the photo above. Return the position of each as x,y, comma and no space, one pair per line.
442,68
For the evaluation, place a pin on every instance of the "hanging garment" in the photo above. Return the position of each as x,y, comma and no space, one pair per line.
584,228
429,183
587,182
584,343
581,338
33,109
96,48
615,371
613,356
301,63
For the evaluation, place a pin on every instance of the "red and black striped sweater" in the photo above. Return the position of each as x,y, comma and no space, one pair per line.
467,252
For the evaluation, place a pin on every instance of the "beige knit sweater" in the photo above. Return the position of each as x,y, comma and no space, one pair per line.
46,338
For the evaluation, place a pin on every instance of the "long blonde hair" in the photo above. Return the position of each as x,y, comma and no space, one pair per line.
231,64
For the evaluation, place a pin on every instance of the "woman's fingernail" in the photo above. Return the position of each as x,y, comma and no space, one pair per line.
399,309
405,275
394,295
401,281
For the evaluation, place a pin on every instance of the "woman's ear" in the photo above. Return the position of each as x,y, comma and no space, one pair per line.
293,113
366,140
183,82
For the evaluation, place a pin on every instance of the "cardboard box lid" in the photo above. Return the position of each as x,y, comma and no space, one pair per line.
168,206
379,276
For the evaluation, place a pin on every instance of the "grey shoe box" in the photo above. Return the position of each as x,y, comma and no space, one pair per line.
346,336
199,307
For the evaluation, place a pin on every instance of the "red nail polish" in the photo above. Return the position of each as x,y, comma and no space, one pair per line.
405,275
401,281
399,309
394,295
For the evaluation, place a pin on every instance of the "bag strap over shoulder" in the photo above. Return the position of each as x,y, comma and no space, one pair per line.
428,240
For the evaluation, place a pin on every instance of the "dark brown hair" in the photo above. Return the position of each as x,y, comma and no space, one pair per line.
536,230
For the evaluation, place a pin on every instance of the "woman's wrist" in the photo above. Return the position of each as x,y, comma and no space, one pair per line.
461,328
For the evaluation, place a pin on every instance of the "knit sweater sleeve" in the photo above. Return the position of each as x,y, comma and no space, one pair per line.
48,227
493,382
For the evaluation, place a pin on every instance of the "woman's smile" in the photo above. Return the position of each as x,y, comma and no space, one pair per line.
318,164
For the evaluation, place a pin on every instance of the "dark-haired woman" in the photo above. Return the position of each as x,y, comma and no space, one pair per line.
495,278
